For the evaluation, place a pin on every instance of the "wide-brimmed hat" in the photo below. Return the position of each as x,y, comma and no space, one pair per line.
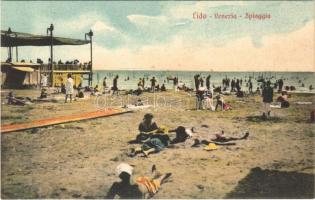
124,167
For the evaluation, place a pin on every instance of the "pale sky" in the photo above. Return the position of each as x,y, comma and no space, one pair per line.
164,36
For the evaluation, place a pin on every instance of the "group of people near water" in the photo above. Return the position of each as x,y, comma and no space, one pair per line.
204,90
140,86
114,89
205,95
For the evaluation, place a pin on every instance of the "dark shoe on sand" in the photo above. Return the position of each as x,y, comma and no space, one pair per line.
153,168
193,129
245,136
132,153
196,143
264,117
166,176
205,142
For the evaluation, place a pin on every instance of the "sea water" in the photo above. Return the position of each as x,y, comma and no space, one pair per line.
129,79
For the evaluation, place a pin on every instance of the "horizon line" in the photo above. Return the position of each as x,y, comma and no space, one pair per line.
195,70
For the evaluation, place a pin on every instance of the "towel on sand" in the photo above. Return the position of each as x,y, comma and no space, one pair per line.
151,185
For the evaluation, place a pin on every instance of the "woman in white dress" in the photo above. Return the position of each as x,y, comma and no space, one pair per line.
69,88
44,80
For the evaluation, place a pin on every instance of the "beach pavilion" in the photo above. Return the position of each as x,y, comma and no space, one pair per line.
19,74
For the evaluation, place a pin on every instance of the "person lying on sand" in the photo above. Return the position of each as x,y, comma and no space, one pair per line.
153,144
160,141
18,100
142,187
202,133
220,139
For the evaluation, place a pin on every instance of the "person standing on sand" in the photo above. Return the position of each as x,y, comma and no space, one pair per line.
44,81
280,84
200,97
104,85
69,88
237,85
197,82
220,102
250,86
153,81
143,82
175,83
267,94
233,85
208,82
115,87
201,82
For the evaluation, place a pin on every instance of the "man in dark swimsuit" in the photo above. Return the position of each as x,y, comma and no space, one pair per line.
115,87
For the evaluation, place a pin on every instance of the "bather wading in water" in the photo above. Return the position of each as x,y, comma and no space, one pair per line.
142,187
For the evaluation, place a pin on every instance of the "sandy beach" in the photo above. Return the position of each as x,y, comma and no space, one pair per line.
78,160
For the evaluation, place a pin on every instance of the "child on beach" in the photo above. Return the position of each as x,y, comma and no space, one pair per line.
220,102
142,187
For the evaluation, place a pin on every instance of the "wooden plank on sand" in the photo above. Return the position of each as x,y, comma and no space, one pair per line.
6,128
